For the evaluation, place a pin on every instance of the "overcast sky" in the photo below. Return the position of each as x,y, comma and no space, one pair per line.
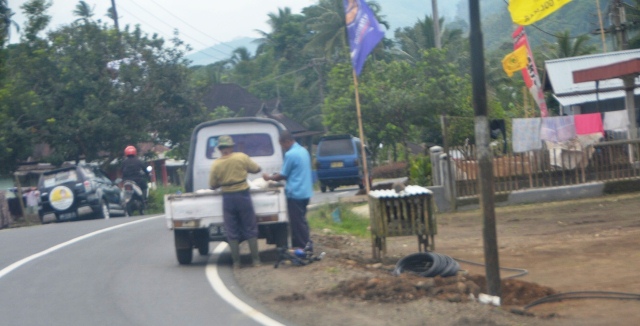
201,23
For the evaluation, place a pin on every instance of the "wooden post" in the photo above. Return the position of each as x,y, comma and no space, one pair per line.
367,186
20,199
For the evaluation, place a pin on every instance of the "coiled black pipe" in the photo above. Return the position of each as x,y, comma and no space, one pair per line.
427,264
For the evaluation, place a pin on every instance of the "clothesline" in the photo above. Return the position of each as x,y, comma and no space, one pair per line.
528,134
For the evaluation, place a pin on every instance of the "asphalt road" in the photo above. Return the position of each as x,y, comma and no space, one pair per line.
124,276
120,271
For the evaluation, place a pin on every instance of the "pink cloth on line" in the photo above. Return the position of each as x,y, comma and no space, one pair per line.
589,123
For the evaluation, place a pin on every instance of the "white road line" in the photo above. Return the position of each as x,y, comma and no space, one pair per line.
223,292
21,262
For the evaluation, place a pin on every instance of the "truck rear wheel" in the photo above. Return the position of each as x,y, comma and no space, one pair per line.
281,235
203,247
184,256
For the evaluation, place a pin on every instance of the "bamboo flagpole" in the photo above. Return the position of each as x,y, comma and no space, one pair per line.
363,153
364,34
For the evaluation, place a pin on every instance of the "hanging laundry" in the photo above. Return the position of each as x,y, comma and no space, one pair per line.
616,120
558,129
589,123
526,134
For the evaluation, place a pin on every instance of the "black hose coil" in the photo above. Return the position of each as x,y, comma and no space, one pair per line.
427,264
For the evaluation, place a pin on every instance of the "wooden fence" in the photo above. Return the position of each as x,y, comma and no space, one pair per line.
552,166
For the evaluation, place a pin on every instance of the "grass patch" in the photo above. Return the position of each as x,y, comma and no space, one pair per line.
155,203
348,222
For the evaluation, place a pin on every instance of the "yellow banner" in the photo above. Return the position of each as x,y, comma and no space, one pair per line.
527,12
515,61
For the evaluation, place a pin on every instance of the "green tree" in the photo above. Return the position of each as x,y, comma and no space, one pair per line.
566,46
6,22
37,19
77,93
83,11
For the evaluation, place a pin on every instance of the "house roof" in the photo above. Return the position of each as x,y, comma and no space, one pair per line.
234,97
567,92
296,129
240,100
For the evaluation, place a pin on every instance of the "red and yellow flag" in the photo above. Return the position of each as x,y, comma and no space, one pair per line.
527,12
515,61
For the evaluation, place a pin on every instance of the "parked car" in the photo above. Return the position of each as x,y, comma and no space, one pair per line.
78,191
339,162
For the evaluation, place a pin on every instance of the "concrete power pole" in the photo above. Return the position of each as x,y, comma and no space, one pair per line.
619,20
485,160
436,24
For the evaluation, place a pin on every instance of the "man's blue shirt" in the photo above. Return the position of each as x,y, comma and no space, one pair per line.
297,170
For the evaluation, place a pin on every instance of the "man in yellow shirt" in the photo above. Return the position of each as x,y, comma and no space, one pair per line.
229,173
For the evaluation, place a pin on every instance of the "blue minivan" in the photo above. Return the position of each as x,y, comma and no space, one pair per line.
339,162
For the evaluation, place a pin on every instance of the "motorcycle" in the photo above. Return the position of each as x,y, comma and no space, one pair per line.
133,198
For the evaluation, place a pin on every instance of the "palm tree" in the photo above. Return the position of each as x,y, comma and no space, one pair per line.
285,36
240,54
567,46
329,28
420,37
84,11
327,23
5,23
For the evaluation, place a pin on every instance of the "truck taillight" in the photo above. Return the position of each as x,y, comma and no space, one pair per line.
186,224
87,185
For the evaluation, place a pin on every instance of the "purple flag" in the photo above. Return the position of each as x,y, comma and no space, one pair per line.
363,30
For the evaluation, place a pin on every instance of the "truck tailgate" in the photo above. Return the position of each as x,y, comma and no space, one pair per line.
269,204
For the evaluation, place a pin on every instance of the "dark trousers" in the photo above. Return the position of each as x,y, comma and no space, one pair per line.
239,217
297,220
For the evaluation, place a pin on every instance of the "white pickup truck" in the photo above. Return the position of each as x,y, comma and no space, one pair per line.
196,216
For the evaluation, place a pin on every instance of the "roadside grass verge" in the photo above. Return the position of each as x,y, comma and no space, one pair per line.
339,219
155,202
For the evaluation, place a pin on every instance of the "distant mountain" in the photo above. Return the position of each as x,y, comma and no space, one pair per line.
220,51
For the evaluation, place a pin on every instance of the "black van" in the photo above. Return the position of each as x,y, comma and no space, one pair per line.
339,162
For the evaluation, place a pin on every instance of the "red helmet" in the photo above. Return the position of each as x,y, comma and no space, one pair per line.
130,150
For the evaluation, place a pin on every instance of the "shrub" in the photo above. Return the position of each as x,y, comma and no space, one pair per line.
155,202
420,170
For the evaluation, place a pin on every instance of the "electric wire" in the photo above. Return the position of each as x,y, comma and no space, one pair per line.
521,271
173,27
194,28
545,32
278,76
158,30
566,295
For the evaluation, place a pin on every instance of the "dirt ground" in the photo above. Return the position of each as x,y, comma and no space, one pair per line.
566,247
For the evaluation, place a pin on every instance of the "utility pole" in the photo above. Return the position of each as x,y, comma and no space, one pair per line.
436,24
115,15
485,161
618,22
